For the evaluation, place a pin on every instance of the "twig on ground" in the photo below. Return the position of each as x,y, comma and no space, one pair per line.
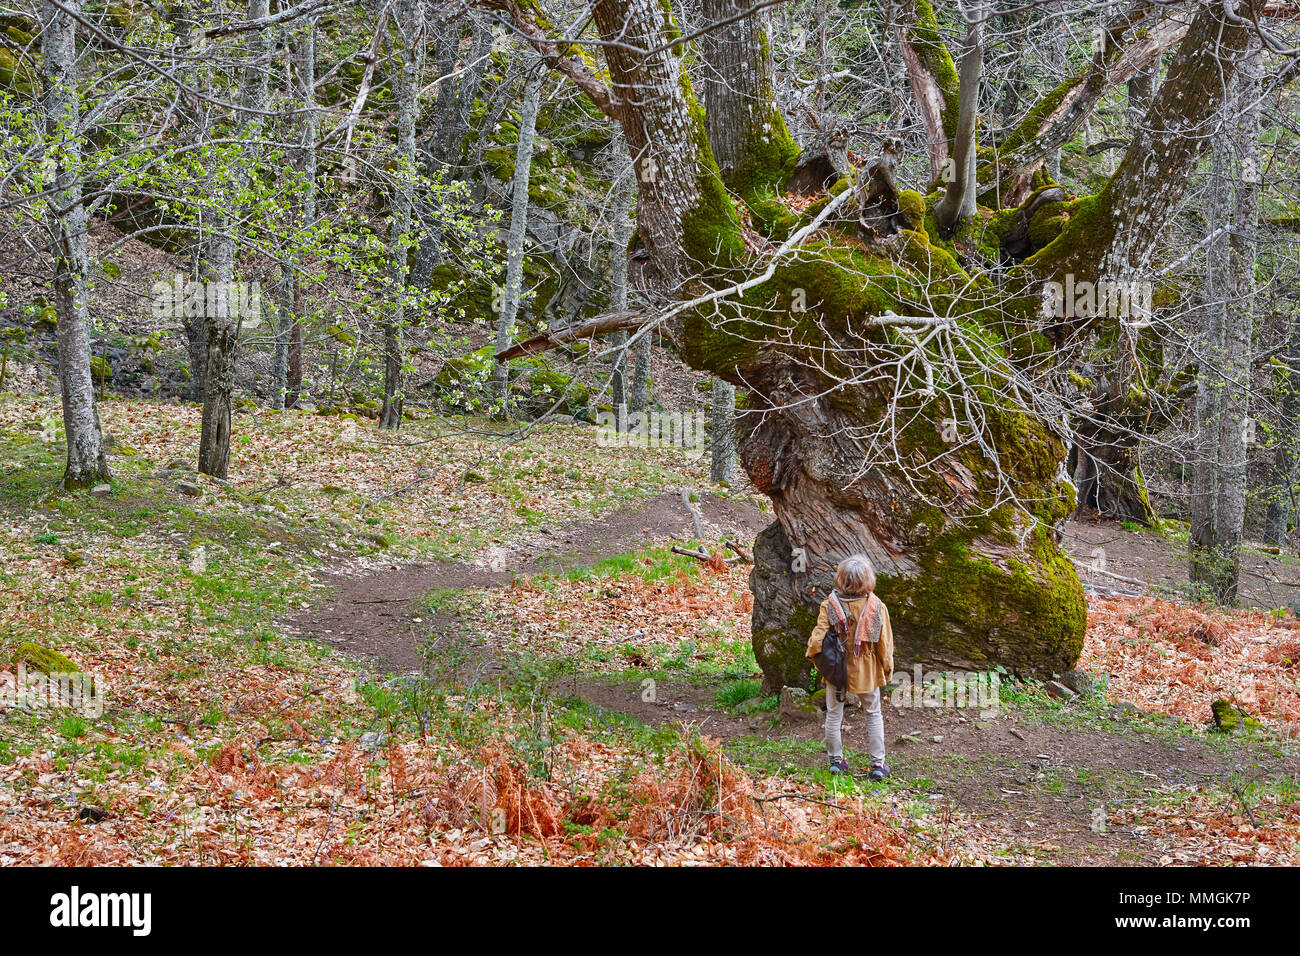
699,555
695,514
425,476
745,556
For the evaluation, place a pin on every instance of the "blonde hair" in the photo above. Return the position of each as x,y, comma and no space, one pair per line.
855,576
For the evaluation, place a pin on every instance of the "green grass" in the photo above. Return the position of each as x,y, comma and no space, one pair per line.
652,566
700,667
444,601
737,692
73,727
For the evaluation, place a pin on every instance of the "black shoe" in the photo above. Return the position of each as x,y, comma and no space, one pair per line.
839,765
879,772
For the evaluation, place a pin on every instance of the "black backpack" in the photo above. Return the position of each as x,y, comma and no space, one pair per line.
832,660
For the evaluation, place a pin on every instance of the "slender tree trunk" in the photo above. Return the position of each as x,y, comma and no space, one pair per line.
722,433
1286,457
87,462
513,290
219,370
288,339
618,252
411,26
223,328
294,380
958,201
618,374
284,321
639,357
1223,393
1239,324
637,395
186,27
285,250
1210,380
307,159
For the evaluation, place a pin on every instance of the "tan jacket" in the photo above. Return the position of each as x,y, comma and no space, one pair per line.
874,667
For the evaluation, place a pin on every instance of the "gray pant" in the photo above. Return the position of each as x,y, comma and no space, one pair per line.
875,725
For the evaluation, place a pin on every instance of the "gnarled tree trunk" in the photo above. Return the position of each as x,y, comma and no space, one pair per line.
872,428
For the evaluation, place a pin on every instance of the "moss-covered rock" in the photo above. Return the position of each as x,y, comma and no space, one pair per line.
15,74
540,389
462,374
798,705
464,382
1228,718
43,659
911,208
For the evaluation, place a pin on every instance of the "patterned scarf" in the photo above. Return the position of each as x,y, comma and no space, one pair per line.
871,612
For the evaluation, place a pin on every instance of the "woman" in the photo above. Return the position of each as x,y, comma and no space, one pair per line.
870,665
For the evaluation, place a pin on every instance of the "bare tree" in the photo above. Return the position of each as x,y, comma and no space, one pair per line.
286,375
223,322
512,291
1223,386
66,221
410,28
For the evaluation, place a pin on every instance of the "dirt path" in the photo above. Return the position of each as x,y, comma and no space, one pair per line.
1038,785
373,614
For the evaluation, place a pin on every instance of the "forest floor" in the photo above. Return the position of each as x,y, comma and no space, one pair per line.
452,647
1035,772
